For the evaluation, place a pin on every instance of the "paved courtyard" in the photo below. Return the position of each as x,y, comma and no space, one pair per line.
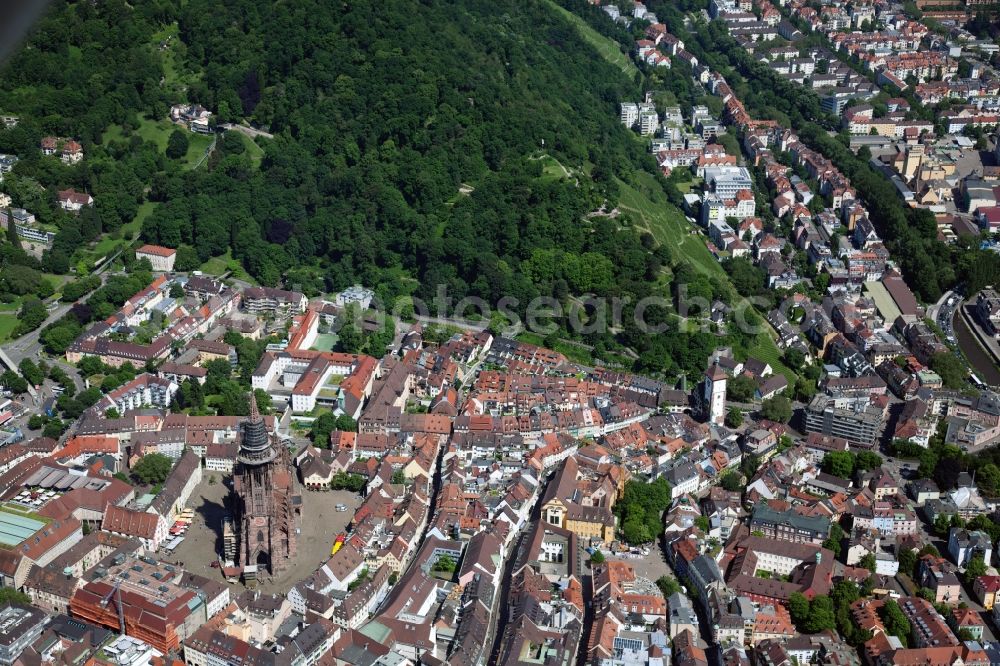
650,566
321,523
969,161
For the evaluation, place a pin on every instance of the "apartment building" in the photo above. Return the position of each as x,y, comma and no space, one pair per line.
268,301
159,257
859,423
789,525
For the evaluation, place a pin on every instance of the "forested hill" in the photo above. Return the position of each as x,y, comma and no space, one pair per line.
416,143
382,111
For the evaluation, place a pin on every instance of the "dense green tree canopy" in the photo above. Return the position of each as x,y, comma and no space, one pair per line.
153,468
895,621
417,144
377,129
778,408
640,511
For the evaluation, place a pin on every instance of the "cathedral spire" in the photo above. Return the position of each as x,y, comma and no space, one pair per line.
254,412
265,500
255,440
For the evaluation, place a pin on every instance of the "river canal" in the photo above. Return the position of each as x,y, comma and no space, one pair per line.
981,362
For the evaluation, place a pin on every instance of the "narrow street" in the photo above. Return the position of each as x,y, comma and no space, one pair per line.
29,345
435,490
704,622
515,559
503,608
588,618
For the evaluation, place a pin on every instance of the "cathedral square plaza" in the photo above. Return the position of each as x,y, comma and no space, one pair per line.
320,525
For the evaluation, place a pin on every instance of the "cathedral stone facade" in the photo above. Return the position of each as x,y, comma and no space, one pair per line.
266,503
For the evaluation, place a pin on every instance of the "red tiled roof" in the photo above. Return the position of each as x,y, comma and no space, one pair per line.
129,522
35,547
73,196
156,250
90,444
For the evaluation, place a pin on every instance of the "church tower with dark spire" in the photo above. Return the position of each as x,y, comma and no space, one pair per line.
266,500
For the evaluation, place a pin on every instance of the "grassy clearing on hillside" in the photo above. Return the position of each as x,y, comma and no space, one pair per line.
553,169
221,264
651,211
692,184
255,152
168,37
607,47
171,54
108,245
197,146
766,351
158,132
145,210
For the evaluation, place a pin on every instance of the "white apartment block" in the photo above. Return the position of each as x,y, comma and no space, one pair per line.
629,114
726,181
649,122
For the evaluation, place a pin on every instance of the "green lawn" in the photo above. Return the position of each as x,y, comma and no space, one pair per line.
690,185
221,264
57,280
552,169
158,132
7,324
175,78
651,212
197,145
154,131
216,265
325,342
132,228
113,133
767,351
574,353
168,35
255,152
530,338
607,47
105,246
